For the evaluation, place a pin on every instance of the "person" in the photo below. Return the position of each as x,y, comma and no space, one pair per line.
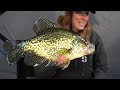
92,66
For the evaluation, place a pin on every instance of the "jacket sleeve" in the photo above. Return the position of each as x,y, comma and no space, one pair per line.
100,64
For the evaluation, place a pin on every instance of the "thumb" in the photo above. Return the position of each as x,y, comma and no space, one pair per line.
60,60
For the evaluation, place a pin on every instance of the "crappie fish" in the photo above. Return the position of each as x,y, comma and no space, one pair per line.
50,42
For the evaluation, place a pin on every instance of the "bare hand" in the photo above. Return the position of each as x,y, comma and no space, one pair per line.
60,60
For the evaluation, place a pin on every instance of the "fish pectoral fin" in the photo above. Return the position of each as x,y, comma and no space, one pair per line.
64,51
64,65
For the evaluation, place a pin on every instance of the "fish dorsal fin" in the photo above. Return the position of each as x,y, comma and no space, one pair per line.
43,24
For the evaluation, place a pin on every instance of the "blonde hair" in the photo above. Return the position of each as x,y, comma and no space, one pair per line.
66,20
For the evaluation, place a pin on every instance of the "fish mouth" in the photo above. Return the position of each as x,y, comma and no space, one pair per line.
91,48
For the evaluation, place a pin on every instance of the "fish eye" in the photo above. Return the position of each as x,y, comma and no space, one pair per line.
83,40
86,43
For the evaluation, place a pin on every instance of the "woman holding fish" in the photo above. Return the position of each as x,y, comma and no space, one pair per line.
90,66
70,50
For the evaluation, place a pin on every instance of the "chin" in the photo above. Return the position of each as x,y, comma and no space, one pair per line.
82,28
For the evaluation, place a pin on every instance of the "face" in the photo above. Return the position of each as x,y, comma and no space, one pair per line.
79,20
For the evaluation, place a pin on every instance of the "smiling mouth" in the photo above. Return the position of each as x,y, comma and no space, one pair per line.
82,24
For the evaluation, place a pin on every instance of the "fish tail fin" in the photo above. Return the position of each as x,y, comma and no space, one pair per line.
13,52
9,45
